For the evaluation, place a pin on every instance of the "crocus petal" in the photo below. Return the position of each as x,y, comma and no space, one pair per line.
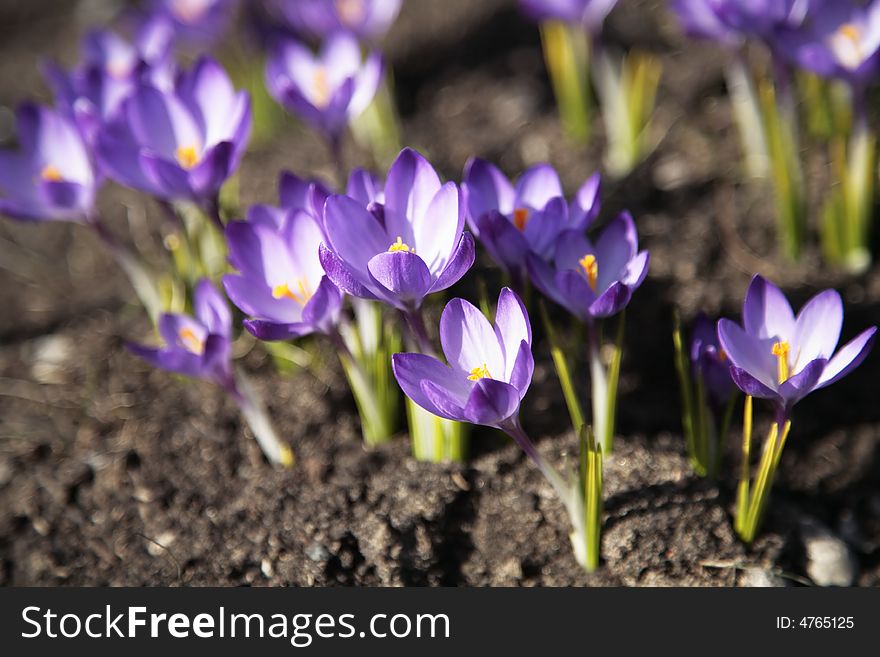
216,359
491,402
544,226
586,204
254,297
68,198
817,328
611,301
468,340
364,187
544,278
412,370
211,308
537,186
342,276
323,308
755,355
636,270
766,311
273,331
512,327
523,369
848,357
216,165
403,274
616,246
170,180
443,402
353,233
486,188
751,386
504,242
172,326
176,361
803,383
462,260
410,187
438,230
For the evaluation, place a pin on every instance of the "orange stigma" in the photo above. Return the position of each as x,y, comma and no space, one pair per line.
191,341
850,31
51,173
591,269
520,218
481,372
301,296
187,156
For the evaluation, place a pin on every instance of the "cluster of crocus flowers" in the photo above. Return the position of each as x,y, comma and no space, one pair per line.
180,144
487,374
780,357
824,55
109,71
706,393
575,53
513,221
199,346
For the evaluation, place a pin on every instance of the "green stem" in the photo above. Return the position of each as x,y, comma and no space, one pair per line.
566,55
562,372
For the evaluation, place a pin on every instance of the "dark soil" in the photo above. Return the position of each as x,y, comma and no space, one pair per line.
113,474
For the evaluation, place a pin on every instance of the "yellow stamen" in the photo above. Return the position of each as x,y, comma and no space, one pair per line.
351,12
187,156
781,351
591,268
851,32
301,296
520,218
191,341
321,82
51,173
481,372
400,246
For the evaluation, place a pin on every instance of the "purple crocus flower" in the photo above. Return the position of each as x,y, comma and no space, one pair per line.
593,281
589,13
50,176
513,221
327,90
281,284
414,247
709,362
196,345
178,145
299,194
109,72
775,355
196,21
731,21
842,40
489,371
367,19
